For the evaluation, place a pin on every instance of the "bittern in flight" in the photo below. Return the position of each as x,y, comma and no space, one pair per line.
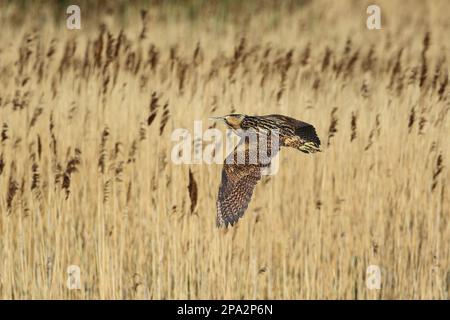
242,167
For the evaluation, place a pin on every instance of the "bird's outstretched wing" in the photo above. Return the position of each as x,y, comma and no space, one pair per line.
239,181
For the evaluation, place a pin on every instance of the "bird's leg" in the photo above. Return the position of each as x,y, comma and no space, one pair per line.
309,147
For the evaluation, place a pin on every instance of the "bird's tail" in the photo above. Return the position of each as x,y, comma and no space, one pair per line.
310,140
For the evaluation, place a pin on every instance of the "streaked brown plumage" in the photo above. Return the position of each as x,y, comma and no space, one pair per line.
240,178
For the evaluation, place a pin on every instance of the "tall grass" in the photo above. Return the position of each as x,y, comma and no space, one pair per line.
86,177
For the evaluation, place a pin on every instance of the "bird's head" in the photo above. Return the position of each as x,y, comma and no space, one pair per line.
233,121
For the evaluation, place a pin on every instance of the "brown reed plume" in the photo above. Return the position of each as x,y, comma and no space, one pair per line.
4,134
71,168
103,151
353,126
153,108
437,171
141,226
164,118
13,186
